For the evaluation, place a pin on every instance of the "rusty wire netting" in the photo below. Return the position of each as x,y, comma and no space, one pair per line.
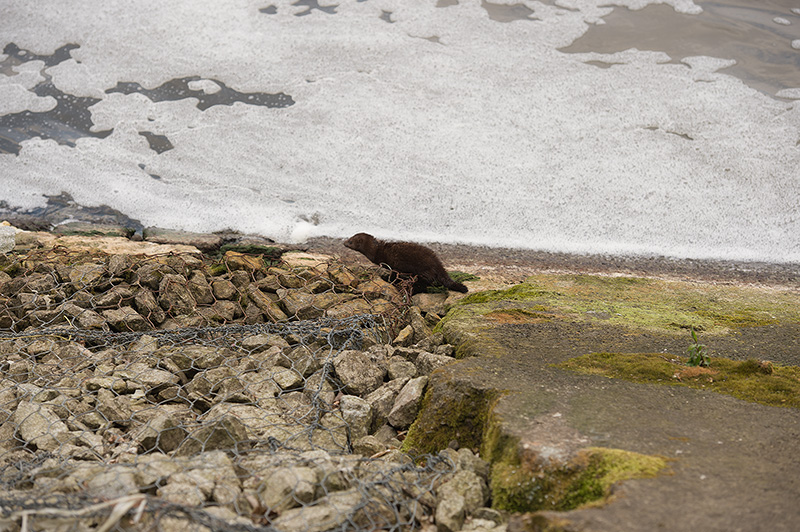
179,393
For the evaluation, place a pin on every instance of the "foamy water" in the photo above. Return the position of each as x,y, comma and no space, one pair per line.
406,120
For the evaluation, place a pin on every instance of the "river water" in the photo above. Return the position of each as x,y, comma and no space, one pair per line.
573,126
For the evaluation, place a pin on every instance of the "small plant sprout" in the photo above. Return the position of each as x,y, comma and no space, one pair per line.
697,353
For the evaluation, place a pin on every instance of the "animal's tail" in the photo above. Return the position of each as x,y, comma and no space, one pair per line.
455,285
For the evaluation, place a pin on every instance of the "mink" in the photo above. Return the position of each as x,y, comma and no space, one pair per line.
405,257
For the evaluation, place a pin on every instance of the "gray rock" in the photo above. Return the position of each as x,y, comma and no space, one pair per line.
227,432
149,275
357,372
382,400
450,514
288,487
174,295
195,357
202,241
404,337
38,425
120,265
116,296
265,304
145,302
421,330
319,390
368,446
467,485
113,483
86,318
114,408
430,302
399,367
357,413
163,433
301,359
329,513
260,342
406,406
84,275
428,362
200,289
125,319
224,289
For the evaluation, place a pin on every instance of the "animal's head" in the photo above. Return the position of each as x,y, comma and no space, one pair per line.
359,241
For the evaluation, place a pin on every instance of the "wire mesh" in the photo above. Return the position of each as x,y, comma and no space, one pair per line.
184,393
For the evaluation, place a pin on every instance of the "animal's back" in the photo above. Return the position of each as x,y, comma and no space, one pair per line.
405,257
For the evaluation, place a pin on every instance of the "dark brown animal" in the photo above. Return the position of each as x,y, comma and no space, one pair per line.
405,257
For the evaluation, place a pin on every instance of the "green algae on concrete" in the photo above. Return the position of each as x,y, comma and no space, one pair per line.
750,380
642,303
586,479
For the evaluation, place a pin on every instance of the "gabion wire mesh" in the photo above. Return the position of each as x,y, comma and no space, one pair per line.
176,393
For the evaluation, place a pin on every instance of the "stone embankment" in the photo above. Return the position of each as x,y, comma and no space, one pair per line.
237,391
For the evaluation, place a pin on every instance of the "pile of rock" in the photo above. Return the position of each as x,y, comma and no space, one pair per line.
127,293
263,423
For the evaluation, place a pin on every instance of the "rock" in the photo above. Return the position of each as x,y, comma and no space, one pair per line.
357,413
113,483
430,302
368,446
240,261
125,319
202,241
187,488
195,357
357,372
84,275
319,391
265,304
399,367
421,330
382,400
329,513
301,359
260,342
405,337
116,296
200,289
227,432
174,295
450,514
163,433
376,288
114,408
120,266
86,319
467,461
428,362
466,484
288,487
38,425
406,406
224,289
149,275
145,302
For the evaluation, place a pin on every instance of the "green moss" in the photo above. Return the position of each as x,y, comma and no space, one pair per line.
749,380
604,468
642,303
217,269
519,292
460,277
450,411
586,479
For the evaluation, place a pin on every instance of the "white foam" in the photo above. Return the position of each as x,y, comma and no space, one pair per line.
490,136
